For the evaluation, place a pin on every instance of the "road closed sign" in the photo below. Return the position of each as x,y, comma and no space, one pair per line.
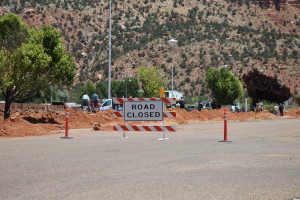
143,110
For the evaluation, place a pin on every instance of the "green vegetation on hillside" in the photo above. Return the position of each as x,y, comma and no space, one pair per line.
210,34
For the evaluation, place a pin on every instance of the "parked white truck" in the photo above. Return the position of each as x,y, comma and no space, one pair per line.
176,94
108,104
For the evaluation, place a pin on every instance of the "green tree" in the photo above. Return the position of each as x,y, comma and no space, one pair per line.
261,87
126,88
88,88
153,79
132,87
13,32
42,96
61,94
225,87
101,87
118,88
36,60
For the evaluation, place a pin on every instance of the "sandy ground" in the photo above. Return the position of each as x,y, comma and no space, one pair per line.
32,123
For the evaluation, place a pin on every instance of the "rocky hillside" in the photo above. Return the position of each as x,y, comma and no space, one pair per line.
239,34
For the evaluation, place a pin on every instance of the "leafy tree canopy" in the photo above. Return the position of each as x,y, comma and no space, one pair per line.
225,87
129,86
153,79
261,87
13,32
88,88
102,88
126,88
34,61
132,87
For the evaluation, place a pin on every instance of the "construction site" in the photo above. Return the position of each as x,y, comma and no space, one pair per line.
36,119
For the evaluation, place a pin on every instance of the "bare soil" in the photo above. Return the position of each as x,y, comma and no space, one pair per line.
30,123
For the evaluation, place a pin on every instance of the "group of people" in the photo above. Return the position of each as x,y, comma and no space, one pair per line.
281,107
277,109
86,101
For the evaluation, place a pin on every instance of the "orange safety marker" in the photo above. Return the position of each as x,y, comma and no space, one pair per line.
225,126
67,125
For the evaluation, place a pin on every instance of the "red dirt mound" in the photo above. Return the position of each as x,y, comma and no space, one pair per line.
29,123
294,113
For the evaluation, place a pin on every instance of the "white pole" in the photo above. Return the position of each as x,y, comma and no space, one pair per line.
172,43
172,72
109,54
126,86
246,104
164,134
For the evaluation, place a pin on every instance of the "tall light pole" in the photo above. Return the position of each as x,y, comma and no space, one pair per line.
172,43
126,79
109,54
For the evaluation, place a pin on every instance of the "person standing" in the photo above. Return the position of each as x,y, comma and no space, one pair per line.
256,108
281,107
276,110
243,108
252,108
181,102
238,108
95,99
86,102
114,105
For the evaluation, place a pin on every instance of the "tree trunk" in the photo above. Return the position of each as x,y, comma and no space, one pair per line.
8,102
7,109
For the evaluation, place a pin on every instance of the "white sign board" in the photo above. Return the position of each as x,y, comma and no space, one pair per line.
143,110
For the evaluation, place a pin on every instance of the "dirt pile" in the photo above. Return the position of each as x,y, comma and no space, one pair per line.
294,113
31,123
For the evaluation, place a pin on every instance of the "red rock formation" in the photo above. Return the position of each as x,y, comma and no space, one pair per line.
278,4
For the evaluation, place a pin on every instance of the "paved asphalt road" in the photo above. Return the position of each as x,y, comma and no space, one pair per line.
262,162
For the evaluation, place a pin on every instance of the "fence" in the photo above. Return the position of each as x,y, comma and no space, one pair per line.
33,107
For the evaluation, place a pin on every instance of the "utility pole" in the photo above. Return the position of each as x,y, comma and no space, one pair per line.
109,54
172,43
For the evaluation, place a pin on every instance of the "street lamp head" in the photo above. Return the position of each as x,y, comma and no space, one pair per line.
172,42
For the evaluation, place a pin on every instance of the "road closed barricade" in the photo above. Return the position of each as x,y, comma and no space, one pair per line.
144,109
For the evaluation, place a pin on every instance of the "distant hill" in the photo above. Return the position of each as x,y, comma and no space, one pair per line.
239,34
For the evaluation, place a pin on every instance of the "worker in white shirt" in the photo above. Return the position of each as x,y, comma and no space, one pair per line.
86,102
